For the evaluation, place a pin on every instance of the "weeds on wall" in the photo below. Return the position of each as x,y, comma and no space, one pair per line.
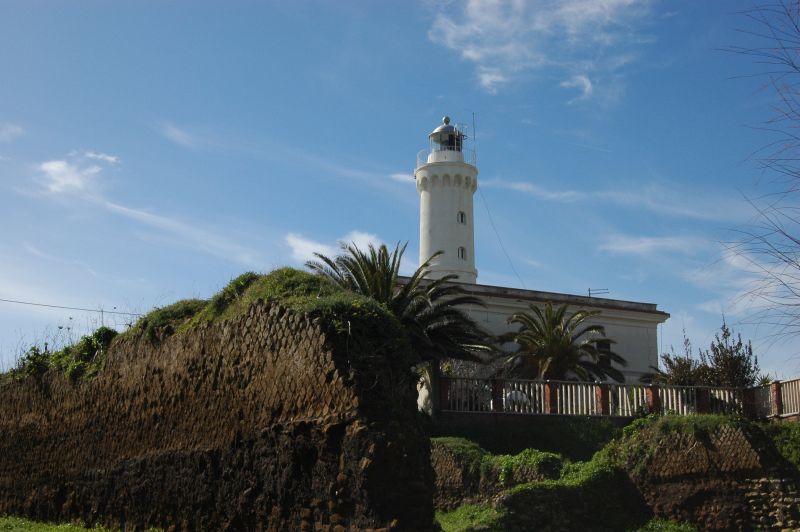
78,361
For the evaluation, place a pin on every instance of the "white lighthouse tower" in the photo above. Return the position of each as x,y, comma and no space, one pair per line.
446,180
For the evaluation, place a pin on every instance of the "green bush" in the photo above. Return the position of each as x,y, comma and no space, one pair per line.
470,517
34,363
785,436
512,468
594,495
466,452
162,322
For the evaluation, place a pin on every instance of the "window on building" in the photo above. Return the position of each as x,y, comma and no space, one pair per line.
462,217
462,253
604,346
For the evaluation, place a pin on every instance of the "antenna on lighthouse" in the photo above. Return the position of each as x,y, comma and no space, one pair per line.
474,137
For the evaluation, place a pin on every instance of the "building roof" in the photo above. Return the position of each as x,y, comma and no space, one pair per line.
519,294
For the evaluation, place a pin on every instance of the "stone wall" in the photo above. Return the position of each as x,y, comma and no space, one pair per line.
729,479
254,423
459,480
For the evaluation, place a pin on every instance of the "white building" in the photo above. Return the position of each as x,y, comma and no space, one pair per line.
447,178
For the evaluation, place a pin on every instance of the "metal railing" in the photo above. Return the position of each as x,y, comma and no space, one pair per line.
465,155
571,398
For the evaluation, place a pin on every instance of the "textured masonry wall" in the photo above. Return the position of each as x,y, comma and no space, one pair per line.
248,424
722,483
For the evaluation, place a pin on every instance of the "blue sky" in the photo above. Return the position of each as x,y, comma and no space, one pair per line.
151,151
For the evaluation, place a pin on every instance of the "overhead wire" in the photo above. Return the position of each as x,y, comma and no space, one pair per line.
488,212
99,311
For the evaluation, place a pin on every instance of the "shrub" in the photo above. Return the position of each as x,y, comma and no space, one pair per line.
470,517
162,322
786,438
34,363
513,468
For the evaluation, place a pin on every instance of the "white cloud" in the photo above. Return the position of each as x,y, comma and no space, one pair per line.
303,249
110,159
582,82
177,135
10,132
491,79
61,176
507,38
75,174
651,245
402,178
361,239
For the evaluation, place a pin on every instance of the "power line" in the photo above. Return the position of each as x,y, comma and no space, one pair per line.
99,311
500,240
486,206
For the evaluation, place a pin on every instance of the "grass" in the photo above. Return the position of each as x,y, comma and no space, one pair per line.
662,525
18,524
291,288
470,517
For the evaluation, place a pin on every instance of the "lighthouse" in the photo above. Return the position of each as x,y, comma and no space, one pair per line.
447,178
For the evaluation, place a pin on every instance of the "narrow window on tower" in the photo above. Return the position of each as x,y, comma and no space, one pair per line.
462,253
462,218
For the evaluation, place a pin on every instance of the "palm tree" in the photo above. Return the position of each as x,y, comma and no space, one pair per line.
431,311
554,345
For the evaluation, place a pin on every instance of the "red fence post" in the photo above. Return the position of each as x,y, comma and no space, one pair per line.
703,400
653,399
601,398
777,398
550,398
497,395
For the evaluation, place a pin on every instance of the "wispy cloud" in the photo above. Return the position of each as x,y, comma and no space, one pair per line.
10,132
651,245
97,156
653,197
505,39
77,177
210,241
733,281
581,82
402,178
178,135
566,196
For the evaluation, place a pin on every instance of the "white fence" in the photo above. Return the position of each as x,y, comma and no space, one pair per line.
523,397
571,398
790,397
